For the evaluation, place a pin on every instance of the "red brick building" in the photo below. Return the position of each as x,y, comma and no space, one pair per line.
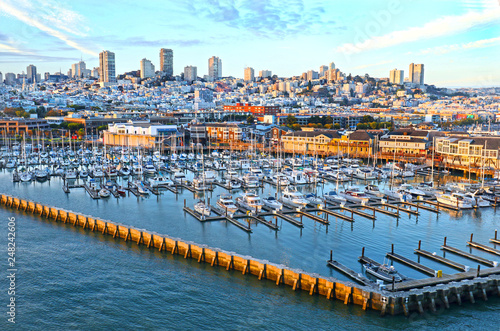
255,110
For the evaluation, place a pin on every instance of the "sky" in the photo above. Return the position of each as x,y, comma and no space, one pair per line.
458,41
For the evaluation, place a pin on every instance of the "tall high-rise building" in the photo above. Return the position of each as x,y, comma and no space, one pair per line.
190,73
167,61
332,65
31,74
78,70
265,74
416,74
396,76
10,78
95,73
147,69
107,72
249,74
311,75
1,78
322,70
214,68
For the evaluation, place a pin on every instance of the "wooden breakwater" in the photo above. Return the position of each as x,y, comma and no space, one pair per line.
367,297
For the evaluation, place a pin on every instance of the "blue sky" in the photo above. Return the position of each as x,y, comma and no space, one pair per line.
457,40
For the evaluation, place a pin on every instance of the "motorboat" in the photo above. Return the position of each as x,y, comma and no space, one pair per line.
202,208
199,184
355,195
280,180
160,180
250,201
179,178
104,193
314,199
454,200
272,203
332,196
292,197
125,171
412,190
234,184
149,169
398,194
257,172
364,173
384,272
226,205
25,176
374,191
41,175
297,177
250,181
477,200
71,174
231,174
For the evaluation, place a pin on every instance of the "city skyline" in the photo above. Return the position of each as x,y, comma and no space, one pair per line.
458,48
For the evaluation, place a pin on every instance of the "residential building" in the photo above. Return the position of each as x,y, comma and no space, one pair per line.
323,70
312,75
265,74
224,132
249,74
10,78
17,126
147,69
416,74
139,134
214,68
167,61
107,73
396,76
1,78
190,73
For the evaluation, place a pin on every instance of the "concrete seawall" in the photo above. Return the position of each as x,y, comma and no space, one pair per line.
366,297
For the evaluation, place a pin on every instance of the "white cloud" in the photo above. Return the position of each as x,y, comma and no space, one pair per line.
444,26
11,49
51,20
458,47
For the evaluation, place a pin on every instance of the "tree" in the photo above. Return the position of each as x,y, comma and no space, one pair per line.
336,126
367,119
296,127
309,86
250,119
74,126
290,120
81,132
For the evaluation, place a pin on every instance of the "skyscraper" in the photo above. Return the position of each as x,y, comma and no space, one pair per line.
322,70
214,68
416,74
107,72
332,65
396,76
249,74
31,74
1,78
190,73
167,61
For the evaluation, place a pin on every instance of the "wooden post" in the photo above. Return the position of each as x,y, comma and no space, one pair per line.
392,248
444,244
478,270
471,235
496,234
419,244
331,255
363,252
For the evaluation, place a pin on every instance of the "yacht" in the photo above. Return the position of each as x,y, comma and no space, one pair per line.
373,190
280,180
413,191
104,193
179,178
250,201
292,197
364,173
125,171
297,178
272,203
199,184
477,200
355,195
160,180
225,204
257,172
231,174
250,181
202,208
332,196
398,194
25,176
314,199
454,200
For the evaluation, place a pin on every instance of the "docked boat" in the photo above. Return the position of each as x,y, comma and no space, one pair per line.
477,200
226,205
364,173
280,180
250,201
104,193
160,180
199,184
314,199
399,194
374,191
25,176
250,181
202,208
454,200
297,177
383,272
332,196
125,171
272,203
294,198
412,190
179,178
355,195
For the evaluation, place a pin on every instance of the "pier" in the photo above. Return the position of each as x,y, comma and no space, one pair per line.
480,283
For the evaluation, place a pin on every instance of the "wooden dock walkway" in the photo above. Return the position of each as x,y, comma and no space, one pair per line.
484,247
359,213
289,219
434,210
93,193
442,260
468,255
313,217
350,273
495,239
415,265
338,215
